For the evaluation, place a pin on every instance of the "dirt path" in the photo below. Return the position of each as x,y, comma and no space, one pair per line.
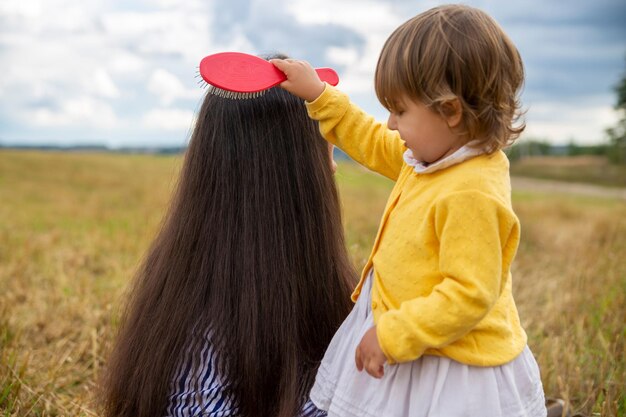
549,186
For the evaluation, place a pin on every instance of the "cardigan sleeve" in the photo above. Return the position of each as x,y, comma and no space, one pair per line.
478,238
365,140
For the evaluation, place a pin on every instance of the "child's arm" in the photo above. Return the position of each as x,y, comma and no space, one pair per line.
477,238
342,123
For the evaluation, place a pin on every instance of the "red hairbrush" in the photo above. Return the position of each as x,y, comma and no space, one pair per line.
239,75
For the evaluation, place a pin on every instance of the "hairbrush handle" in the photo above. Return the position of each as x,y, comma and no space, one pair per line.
327,75
244,73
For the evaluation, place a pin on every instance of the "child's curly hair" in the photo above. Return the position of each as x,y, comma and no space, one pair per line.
456,51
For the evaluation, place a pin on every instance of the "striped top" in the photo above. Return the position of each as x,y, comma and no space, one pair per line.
201,391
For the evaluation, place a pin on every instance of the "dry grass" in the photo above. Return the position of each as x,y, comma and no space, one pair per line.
570,285
74,227
583,169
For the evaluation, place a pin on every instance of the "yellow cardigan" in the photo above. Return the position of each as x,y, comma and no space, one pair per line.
443,251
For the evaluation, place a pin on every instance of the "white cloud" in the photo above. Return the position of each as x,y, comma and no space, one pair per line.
131,25
79,112
83,68
180,32
124,62
168,4
238,42
374,20
564,122
102,85
168,119
366,17
168,87
21,9
342,56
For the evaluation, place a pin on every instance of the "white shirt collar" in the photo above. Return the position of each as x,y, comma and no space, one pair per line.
462,154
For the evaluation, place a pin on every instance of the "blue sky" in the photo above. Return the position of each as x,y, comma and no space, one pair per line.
121,73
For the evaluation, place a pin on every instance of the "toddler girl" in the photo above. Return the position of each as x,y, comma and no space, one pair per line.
435,326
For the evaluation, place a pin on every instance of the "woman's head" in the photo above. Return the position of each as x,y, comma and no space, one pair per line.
252,249
456,58
268,140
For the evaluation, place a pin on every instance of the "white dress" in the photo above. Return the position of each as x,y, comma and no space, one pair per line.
431,386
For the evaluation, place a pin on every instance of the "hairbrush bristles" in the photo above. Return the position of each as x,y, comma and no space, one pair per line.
216,91
199,80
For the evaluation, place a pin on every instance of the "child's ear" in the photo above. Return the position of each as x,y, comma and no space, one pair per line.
453,112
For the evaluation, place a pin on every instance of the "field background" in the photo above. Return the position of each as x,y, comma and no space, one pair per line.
74,227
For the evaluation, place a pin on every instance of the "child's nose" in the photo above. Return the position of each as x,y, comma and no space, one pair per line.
391,122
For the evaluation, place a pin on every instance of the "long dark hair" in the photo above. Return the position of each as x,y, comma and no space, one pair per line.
251,248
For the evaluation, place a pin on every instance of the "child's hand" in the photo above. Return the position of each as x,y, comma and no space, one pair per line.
302,80
369,355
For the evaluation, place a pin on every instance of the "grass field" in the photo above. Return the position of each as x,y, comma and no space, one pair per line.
74,227
583,169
